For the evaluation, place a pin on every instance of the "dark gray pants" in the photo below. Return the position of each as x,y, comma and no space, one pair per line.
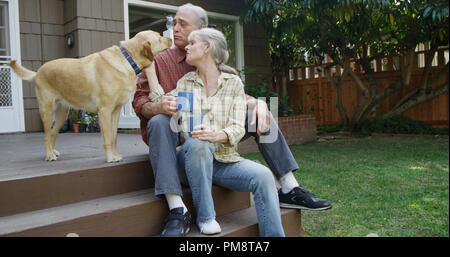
163,158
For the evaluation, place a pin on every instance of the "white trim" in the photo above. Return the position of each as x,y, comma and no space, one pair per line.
16,82
240,59
126,21
131,120
15,53
173,8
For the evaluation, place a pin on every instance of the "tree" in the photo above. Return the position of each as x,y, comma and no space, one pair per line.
285,50
361,31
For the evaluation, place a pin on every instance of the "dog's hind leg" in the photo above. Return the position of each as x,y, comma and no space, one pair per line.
46,111
60,111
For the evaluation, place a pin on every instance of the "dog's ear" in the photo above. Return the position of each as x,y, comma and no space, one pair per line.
147,51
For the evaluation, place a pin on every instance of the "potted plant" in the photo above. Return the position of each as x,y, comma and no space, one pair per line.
92,122
83,124
74,117
77,121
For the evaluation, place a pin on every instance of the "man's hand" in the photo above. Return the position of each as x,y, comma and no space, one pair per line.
260,112
203,133
168,106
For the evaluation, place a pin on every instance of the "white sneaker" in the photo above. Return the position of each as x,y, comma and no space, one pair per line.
209,227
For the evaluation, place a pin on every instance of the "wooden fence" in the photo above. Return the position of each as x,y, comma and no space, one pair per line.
311,92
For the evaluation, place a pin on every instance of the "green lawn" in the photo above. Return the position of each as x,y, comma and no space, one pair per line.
394,186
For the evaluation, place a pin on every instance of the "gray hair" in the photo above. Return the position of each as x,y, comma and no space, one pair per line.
202,18
218,44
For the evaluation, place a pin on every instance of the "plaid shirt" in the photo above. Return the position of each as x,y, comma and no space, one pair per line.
224,110
170,67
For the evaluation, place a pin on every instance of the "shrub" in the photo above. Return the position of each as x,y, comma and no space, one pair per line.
260,89
329,128
397,125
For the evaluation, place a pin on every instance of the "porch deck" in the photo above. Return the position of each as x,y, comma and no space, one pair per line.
22,155
81,193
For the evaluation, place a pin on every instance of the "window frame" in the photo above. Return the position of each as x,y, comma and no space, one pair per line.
239,30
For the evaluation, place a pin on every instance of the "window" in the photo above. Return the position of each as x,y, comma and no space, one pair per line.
5,71
299,74
4,33
152,16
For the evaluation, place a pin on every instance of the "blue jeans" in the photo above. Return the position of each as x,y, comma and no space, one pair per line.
199,169
162,152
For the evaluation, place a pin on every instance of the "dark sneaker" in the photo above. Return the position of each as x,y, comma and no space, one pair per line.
300,198
177,223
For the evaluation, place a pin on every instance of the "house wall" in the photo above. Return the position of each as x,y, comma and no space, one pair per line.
98,24
42,40
95,25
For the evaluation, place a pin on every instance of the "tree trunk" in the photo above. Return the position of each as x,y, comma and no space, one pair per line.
417,99
284,83
338,85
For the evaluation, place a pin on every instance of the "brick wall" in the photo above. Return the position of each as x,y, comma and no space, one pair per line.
296,130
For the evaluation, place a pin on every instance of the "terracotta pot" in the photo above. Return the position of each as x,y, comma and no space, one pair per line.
76,127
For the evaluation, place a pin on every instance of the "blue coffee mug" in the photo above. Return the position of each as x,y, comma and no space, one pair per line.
185,101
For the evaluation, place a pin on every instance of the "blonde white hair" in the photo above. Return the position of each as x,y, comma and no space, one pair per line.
217,44
202,17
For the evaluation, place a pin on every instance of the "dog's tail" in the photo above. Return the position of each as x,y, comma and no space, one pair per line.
23,72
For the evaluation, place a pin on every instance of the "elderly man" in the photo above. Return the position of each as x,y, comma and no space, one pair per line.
170,66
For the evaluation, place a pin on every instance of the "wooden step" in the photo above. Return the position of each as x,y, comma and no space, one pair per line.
28,182
244,223
40,192
138,213
81,193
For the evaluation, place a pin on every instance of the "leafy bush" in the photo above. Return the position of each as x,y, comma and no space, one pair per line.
398,125
260,89
329,128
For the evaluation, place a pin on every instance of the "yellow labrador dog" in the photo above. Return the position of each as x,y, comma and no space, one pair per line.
101,82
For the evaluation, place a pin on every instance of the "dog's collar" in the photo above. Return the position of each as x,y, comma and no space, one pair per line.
130,60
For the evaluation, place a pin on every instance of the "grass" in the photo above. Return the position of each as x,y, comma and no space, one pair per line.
394,186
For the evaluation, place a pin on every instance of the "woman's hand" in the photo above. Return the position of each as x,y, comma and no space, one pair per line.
204,133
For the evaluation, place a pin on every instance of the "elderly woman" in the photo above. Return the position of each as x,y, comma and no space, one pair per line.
209,152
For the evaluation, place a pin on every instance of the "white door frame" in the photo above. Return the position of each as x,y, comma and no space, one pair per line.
128,118
16,82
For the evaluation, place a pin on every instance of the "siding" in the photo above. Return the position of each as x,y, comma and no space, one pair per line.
42,40
95,25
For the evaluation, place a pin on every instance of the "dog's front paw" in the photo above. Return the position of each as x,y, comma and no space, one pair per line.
51,157
114,158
